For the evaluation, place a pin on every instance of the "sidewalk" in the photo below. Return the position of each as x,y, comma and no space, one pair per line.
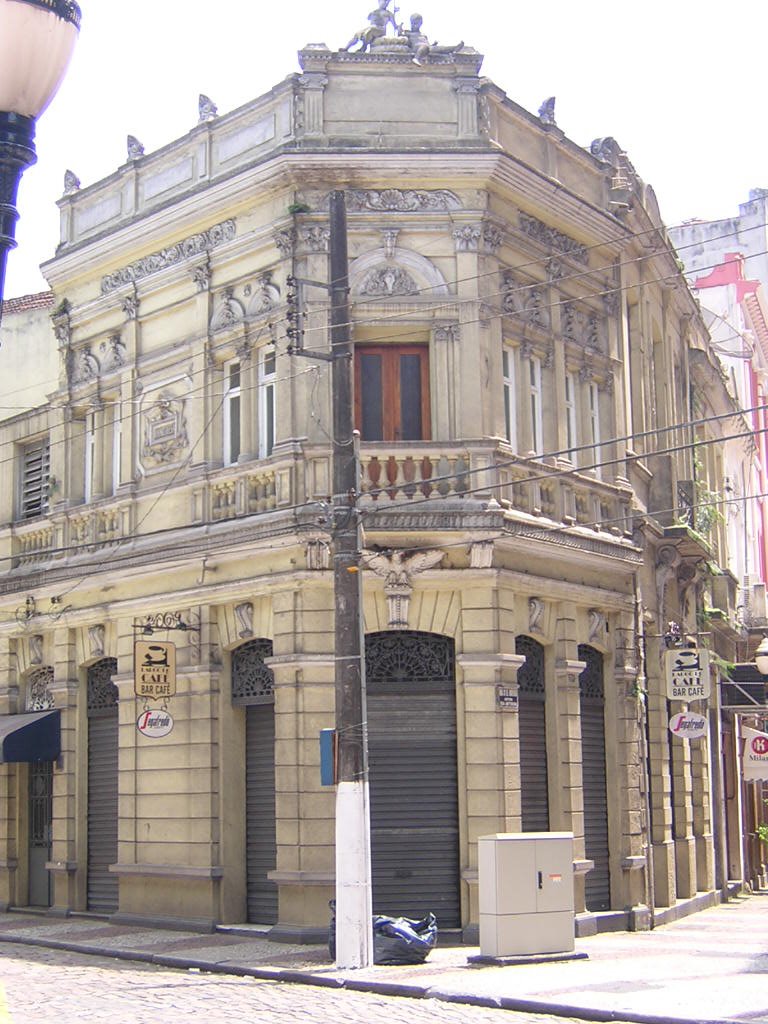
710,967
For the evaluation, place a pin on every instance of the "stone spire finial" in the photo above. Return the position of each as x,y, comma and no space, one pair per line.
135,148
71,183
206,108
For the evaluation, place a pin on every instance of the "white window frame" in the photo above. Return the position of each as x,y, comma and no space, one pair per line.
571,417
267,402
509,377
89,442
35,476
117,446
232,400
536,395
595,438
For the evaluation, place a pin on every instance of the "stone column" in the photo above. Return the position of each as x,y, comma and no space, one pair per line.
305,810
313,85
249,398
68,848
665,885
566,798
8,782
625,706
467,97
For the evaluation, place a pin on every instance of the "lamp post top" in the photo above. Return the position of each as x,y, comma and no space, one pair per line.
68,10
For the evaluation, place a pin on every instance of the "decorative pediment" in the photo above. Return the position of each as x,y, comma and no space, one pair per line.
391,271
266,296
228,313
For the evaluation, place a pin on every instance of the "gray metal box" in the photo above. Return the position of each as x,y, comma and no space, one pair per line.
526,893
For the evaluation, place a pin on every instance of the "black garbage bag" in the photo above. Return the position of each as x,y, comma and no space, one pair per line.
396,940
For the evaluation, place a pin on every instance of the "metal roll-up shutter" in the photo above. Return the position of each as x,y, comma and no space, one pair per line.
261,843
253,687
102,886
534,775
413,775
594,783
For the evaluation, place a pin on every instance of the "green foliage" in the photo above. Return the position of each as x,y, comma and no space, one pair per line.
298,208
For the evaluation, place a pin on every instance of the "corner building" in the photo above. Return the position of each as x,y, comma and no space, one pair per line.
523,339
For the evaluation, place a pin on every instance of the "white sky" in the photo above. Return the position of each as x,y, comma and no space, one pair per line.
680,85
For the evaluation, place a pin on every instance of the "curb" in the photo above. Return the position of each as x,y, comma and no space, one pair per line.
383,988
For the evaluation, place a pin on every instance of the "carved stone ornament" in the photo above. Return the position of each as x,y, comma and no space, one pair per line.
397,567
481,555
447,333
612,302
165,431
39,696
202,277
84,366
265,296
244,616
562,244
62,324
597,626
535,614
36,650
190,247
206,109
547,111
581,326
71,183
228,312
388,280
467,238
134,147
285,241
493,238
130,306
389,238
96,637
318,555
526,302
395,200
113,354
667,561
315,238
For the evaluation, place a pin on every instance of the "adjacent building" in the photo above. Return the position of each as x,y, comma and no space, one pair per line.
543,423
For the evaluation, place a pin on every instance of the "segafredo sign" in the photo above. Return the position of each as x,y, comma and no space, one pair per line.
688,725
154,723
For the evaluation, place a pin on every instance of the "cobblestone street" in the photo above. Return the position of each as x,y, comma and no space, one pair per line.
40,985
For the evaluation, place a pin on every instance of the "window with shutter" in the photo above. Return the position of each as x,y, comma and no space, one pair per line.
35,479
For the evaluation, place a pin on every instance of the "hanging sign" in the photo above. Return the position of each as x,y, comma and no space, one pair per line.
689,725
154,669
155,723
687,672
755,757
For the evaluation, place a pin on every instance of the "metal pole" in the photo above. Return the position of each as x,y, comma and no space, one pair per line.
354,936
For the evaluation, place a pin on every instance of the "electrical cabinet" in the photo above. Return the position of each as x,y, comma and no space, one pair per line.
526,893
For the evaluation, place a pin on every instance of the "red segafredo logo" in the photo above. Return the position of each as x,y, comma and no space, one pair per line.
688,725
154,723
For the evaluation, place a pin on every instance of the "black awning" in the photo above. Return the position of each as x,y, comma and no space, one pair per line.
32,737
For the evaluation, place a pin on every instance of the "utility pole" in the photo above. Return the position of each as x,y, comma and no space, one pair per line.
354,929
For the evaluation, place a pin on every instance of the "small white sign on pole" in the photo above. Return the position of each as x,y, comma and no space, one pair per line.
755,759
687,672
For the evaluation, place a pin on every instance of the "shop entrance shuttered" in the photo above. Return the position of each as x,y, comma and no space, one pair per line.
534,778
253,685
594,783
102,886
413,775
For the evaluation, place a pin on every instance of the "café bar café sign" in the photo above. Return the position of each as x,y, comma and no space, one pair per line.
687,672
154,669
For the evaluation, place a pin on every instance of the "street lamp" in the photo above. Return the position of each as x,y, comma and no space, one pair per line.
761,657
37,38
